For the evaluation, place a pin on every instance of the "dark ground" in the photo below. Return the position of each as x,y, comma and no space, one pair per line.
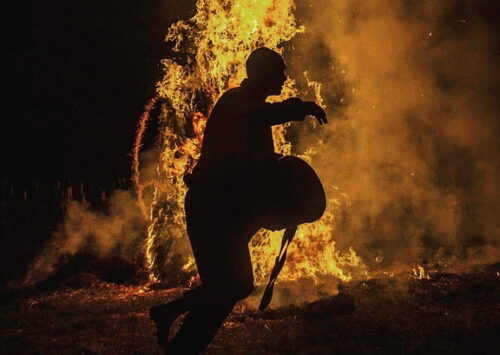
451,313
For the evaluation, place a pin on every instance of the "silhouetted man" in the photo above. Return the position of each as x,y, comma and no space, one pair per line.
226,201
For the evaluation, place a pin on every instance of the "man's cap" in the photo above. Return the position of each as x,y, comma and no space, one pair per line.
263,61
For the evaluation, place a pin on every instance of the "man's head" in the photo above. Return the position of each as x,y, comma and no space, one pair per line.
266,70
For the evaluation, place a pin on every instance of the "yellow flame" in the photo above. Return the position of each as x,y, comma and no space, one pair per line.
213,46
420,273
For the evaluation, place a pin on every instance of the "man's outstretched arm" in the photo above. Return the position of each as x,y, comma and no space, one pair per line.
293,109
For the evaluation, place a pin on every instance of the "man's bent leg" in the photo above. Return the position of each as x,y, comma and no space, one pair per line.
227,276
164,315
219,240
199,328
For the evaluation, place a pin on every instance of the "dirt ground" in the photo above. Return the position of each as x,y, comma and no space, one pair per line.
450,313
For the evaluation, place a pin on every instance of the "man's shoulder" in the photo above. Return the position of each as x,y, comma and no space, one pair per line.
232,100
228,105
236,93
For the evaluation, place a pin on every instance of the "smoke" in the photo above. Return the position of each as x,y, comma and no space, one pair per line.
117,231
411,152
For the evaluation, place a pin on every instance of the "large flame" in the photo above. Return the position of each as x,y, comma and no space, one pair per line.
212,48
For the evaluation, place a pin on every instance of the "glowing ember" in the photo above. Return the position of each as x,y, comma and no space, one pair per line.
214,45
420,273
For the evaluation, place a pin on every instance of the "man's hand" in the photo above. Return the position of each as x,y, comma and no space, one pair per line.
315,110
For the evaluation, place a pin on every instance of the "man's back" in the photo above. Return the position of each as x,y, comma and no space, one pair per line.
236,132
238,135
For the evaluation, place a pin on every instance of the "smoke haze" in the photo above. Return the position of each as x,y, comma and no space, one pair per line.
116,231
411,90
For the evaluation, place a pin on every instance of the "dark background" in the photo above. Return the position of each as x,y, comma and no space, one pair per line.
75,78
76,75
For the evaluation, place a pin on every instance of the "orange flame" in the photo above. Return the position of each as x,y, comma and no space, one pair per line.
216,42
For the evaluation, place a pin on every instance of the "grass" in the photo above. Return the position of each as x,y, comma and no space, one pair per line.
451,313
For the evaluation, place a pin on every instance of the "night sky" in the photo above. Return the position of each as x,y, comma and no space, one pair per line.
76,75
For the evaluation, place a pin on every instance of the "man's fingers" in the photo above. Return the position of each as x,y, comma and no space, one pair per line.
322,120
316,111
321,115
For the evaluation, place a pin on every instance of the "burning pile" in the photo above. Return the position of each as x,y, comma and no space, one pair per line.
412,144
211,49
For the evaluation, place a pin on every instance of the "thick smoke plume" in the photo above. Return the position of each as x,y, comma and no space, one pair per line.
116,231
412,147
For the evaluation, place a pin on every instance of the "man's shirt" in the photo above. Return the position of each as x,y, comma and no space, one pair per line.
238,135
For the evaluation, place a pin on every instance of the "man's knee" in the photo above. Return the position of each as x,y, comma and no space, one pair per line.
241,290
230,292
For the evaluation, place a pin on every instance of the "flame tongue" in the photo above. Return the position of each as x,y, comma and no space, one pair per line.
216,43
